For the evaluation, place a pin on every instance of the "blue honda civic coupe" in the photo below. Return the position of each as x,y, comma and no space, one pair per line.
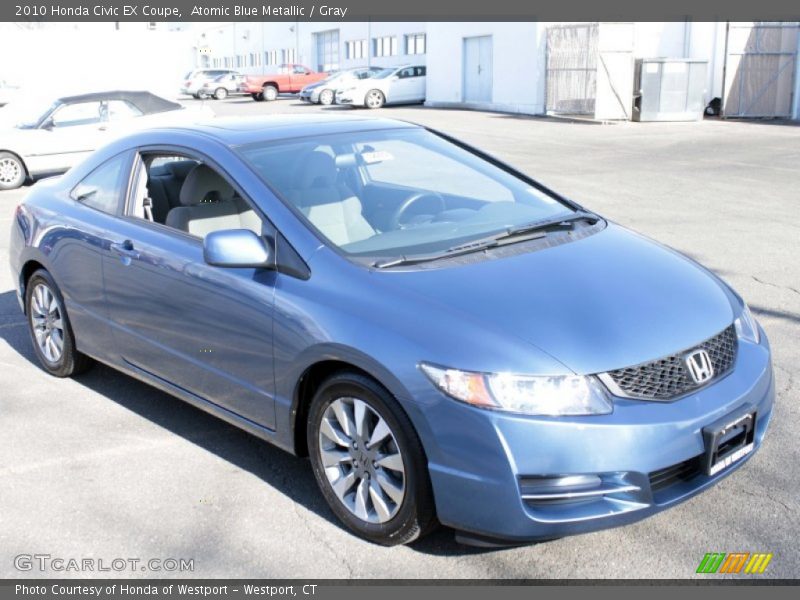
445,338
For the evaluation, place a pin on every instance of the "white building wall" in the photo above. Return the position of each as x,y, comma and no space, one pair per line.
244,39
518,65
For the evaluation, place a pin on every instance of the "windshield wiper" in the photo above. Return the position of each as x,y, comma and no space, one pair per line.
519,233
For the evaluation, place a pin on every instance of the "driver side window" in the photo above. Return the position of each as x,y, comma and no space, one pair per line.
190,196
80,113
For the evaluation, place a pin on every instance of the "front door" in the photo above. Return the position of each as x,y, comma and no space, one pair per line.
478,69
207,330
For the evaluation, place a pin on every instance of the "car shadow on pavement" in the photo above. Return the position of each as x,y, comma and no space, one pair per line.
288,474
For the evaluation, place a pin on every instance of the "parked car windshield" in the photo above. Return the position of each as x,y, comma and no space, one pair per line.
399,192
383,74
26,113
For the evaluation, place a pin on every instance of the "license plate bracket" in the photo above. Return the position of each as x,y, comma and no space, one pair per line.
729,440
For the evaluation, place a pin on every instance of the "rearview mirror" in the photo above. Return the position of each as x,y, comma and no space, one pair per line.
236,248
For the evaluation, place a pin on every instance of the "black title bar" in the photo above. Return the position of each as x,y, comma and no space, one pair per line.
400,10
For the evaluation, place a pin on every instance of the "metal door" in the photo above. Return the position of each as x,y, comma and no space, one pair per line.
572,68
478,69
760,63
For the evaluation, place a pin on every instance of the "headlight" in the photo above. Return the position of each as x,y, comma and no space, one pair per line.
567,395
746,326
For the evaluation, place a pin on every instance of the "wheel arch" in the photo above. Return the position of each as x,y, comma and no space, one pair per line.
20,158
29,267
317,372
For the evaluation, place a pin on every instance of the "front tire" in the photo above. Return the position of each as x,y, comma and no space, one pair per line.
220,93
326,97
50,329
374,99
270,93
368,461
12,171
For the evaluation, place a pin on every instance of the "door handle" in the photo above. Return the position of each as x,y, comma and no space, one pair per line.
125,250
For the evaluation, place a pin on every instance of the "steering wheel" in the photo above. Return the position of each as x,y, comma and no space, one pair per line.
397,218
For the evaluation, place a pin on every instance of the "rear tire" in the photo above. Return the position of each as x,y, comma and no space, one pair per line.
381,492
220,93
374,99
270,93
50,329
12,171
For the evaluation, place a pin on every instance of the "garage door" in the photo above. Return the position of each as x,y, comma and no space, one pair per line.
759,69
572,68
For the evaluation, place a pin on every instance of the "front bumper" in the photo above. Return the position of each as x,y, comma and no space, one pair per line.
489,469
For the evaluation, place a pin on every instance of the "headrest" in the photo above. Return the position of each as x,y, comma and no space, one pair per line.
181,168
315,170
203,184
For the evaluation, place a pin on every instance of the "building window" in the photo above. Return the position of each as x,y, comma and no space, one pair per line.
415,43
327,43
255,59
355,49
271,57
289,56
384,46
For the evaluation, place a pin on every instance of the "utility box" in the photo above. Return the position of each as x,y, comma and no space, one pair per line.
669,89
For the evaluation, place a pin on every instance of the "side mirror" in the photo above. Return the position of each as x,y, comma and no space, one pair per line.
48,124
395,78
236,248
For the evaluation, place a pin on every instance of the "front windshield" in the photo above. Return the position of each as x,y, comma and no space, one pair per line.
399,192
26,113
383,74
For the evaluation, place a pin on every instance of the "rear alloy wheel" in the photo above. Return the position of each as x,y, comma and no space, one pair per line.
50,329
12,171
326,97
270,93
220,93
375,99
368,461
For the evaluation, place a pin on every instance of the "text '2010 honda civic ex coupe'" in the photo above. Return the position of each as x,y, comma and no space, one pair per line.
447,340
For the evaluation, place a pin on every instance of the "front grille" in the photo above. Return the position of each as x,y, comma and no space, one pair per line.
664,478
667,378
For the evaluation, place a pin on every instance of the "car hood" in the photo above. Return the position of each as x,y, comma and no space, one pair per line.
18,139
610,300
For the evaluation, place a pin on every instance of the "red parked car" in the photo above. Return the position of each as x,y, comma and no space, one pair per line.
287,78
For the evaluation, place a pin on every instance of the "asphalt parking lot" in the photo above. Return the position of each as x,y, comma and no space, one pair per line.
105,467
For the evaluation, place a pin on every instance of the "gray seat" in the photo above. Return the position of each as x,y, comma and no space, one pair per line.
208,203
332,209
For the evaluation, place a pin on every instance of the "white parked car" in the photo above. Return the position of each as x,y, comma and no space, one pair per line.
194,81
397,85
324,92
39,138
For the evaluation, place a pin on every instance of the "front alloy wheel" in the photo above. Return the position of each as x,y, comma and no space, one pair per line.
368,460
220,93
12,171
362,460
375,99
326,97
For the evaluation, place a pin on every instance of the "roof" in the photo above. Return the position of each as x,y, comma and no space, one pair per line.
146,102
235,131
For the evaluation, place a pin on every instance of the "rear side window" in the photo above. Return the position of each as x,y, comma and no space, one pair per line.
102,188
